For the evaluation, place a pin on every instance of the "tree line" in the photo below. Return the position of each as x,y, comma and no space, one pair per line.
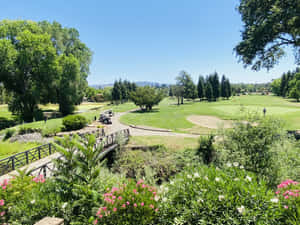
288,85
40,63
209,88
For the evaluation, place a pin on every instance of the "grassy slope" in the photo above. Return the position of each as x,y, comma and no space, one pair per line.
171,143
7,148
170,116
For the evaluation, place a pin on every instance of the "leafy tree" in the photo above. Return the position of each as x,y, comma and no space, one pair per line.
28,66
187,85
68,84
269,26
116,92
295,90
276,86
201,87
146,97
31,70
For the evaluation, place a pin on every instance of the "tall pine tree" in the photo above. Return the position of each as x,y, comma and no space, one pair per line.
209,91
223,87
201,88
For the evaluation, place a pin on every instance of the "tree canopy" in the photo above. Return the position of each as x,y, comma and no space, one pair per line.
146,97
269,26
41,63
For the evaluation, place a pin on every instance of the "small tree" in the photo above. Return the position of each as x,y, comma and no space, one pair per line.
295,92
146,97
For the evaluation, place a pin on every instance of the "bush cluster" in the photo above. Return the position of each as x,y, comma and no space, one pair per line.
74,122
5,123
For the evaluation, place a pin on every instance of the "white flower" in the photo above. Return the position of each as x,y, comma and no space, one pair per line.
248,178
229,164
241,167
221,197
205,178
235,164
274,200
32,202
172,182
189,176
217,179
196,175
200,200
241,209
236,179
64,205
217,168
156,198
166,189
164,199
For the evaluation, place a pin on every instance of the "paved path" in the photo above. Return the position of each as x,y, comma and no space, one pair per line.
117,125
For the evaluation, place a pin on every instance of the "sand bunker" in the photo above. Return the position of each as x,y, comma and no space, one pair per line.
211,122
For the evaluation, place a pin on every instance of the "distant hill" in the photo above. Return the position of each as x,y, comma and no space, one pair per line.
138,83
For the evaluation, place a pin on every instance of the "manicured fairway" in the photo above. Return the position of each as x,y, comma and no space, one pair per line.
7,148
170,116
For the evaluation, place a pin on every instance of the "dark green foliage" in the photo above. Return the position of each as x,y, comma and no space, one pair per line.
8,134
74,122
5,123
269,26
146,97
209,91
223,87
227,89
201,87
121,91
28,130
206,149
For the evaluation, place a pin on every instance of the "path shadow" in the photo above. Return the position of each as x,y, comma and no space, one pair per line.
155,110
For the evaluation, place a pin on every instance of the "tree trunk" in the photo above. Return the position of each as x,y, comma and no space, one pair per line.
181,99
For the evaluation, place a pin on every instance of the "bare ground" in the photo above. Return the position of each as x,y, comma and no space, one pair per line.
211,122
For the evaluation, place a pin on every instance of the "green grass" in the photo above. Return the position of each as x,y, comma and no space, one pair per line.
4,112
8,149
170,116
171,143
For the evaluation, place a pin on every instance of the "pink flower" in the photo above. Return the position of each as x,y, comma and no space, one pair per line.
151,206
123,206
120,197
115,209
135,205
95,221
127,203
142,204
277,192
100,216
2,213
104,208
1,202
286,197
156,210
139,182
286,207
154,193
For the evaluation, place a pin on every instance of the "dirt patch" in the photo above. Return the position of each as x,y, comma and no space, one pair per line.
211,122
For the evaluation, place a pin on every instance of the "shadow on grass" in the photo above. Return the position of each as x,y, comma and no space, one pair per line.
155,110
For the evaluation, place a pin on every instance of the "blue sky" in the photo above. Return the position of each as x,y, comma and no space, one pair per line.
151,40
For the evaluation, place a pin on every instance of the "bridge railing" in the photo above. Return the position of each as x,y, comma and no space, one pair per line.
24,158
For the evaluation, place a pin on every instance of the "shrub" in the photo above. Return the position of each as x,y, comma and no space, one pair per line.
206,195
288,193
74,122
251,143
28,130
5,123
8,134
206,148
131,203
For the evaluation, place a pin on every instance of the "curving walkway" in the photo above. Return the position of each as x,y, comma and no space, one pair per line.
117,125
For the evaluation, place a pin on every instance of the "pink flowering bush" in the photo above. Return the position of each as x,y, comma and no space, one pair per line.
288,194
130,203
